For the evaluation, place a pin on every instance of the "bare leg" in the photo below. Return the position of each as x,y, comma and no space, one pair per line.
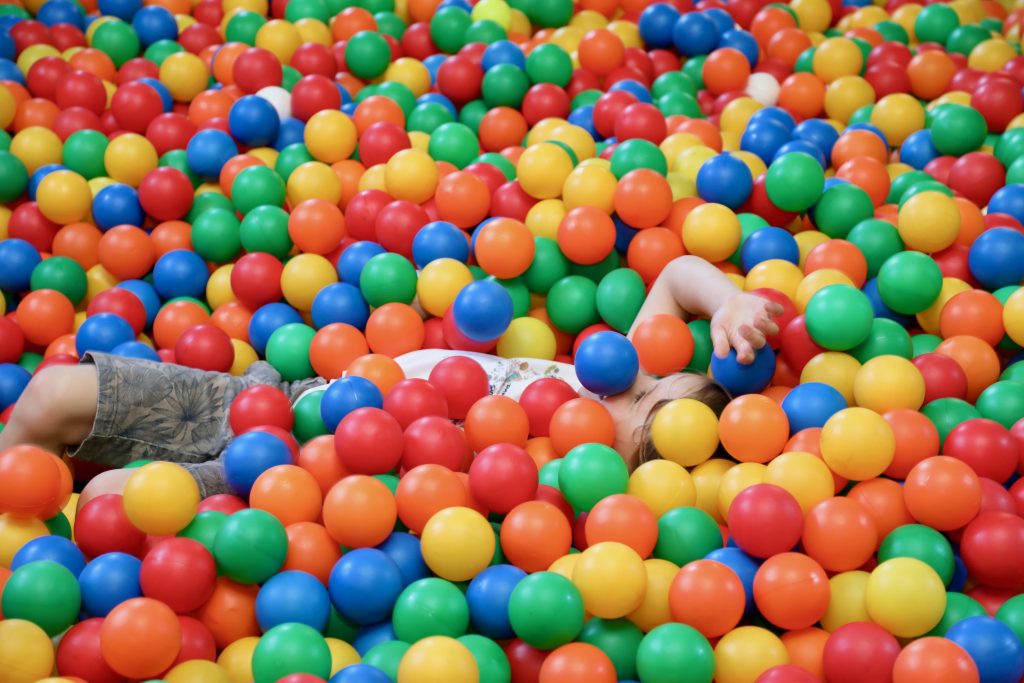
56,410
112,481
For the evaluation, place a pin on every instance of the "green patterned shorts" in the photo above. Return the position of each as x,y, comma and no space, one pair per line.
163,411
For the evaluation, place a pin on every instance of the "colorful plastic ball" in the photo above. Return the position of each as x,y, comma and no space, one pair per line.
45,593
179,572
905,596
990,548
992,257
545,610
945,478
364,585
751,509
791,590
795,182
205,347
708,596
591,472
208,151
288,649
744,378
102,333
860,651
243,531
64,197
931,657
606,363
992,645
430,607
724,179
253,121
161,498
457,543
107,581
52,548
897,274
140,638
838,317
293,597
117,204
488,597
482,310
690,417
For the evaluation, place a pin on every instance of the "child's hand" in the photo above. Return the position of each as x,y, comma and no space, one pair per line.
743,322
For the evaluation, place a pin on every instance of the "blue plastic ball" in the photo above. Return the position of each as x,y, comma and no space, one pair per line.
122,9
742,564
723,20
364,585
136,349
725,179
107,581
53,548
372,635
993,646
161,90
584,118
180,272
38,175
740,379
488,596
695,33
154,23
776,114
208,151
55,12
811,405
439,239
253,121
290,131
13,380
355,256
102,332
404,550
769,243
117,204
345,395
806,147
918,149
1008,199
146,294
818,131
636,88
360,673
340,302
657,23
18,259
502,52
266,320
8,50
744,42
607,363
9,71
293,596
482,310
764,139
251,454
996,257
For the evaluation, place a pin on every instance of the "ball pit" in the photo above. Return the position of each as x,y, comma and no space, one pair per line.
329,185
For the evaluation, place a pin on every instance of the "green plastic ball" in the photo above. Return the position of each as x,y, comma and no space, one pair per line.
1013,373
265,229
679,103
206,202
257,186
308,423
638,153
904,182
957,129
675,653
673,81
430,607
572,304
1012,614
886,338
400,94
1002,402
490,658
548,474
839,317
485,31
958,608
390,24
296,10
700,330
178,158
388,278
546,610
549,265
947,413
519,293
45,593
619,639
473,114
243,26
549,13
250,547
504,85
805,61
507,168
549,63
455,143
921,543
83,153
1010,146
204,527
13,177
909,282
963,39
892,32
924,186
161,50
840,208
428,116
935,23
387,656
288,351
589,473
216,236
289,159
794,182
62,274
289,649
448,28
686,534
620,294
117,40
877,240
59,525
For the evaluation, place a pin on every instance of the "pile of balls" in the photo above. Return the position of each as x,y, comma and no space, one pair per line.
329,184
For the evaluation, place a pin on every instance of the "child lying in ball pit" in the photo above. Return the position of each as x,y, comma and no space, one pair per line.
112,410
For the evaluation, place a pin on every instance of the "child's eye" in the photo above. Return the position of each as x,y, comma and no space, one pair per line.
639,396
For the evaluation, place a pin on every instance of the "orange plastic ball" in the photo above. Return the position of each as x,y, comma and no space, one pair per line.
78,241
318,457
664,344
359,511
496,419
379,369
44,315
577,663
803,94
643,198
140,638
624,519
858,143
974,312
126,252
708,596
943,493
978,360
311,549
424,491
601,51
869,175
394,329
916,439
174,318
171,235
840,534
230,613
33,482
791,591
233,317
504,248
534,534
838,255
930,73
502,127
581,420
336,347
586,235
726,70
316,226
883,499
288,492
462,198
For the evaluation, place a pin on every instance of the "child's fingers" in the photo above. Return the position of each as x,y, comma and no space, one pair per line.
766,326
755,337
720,341
744,351
774,308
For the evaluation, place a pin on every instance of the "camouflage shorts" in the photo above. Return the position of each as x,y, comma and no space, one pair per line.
162,411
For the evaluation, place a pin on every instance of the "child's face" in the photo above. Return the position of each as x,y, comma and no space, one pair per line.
631,408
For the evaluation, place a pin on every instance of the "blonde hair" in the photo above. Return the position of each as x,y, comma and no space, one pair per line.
710,393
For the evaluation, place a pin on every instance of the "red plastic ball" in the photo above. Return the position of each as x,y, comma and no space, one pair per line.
541,399
81,89
511,201
135,105
380,141
607,110
256,279
205,347
943,376
993,550
434,440
787,673
170,131
102,526
999,100
985,445
197,641
311,94
45,75
502,476
78,654
411,399
765,520
416,41
369,441
640,120
221,502
860,652
12,341
361,212
314,58
459,78
463,382
28,223
977,176
120,302
256,68
397,224
166,193
797,346
543,101
74,119
259,406
180,573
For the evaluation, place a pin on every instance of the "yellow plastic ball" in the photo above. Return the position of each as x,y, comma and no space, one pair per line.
737,114
707,477
905,597
685,431
26,653
1013,316
805,476
527,338
16,532
373,179
161,498
236,659
813,15
689,161
64,197
834,368
588,20
991,55
411,73
519,23
847,94
906,16
197,671
577,139
245,356
898,115
807,240
314,31
438,659
887,383
185,75
929,222
753,162
98,279
835,58
815,281
590,186
737,479
411,175
313,180
627,31
33,53
654,607
776,274
129,158
218,287
36,146
857,444
611,578
544,217
440,282
497,11
257,6
342,654
458,543
542,170
419,140
279,37
303,277
675,143
662,485
330,136
565,565
745,653
928,319
711,231
846,601
8,107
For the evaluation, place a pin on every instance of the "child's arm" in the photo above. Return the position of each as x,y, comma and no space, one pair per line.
691,285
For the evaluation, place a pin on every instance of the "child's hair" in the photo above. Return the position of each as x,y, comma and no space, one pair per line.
711,393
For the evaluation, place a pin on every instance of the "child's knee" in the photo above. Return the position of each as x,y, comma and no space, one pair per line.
60,395
112,481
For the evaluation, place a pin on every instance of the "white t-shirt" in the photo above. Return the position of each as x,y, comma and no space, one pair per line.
507,376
